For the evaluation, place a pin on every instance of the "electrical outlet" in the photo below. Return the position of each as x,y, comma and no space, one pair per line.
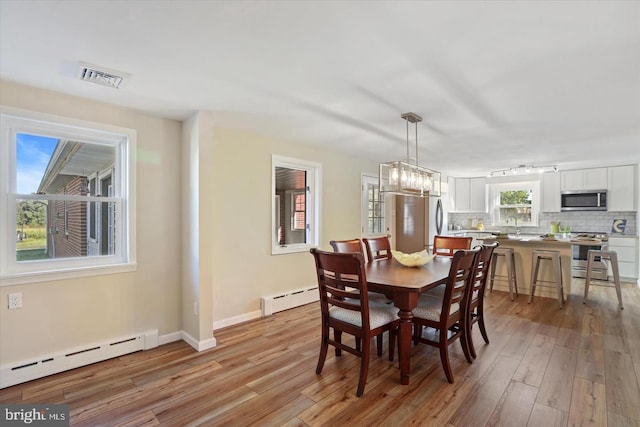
15,300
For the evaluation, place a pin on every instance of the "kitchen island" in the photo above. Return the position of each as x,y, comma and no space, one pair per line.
523,248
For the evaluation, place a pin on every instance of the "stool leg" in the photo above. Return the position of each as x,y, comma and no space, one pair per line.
616,279
534,276
515,276
493,271
509,275
558,267
587,279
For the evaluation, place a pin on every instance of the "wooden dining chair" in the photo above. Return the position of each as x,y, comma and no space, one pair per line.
352,245
355,245
378,248
348,311
475,312
447,314
448,245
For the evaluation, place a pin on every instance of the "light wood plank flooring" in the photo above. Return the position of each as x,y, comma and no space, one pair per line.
545,366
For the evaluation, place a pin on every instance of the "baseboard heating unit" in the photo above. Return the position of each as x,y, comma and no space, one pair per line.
275,303
19,372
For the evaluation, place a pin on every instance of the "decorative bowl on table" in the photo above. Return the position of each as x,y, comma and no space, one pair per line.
415,259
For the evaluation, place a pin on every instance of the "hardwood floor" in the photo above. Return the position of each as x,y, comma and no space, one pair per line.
545,366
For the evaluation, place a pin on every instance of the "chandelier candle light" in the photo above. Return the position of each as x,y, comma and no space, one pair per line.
408,179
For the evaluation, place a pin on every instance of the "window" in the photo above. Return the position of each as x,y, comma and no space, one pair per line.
373,208
296,205
299,211
515,204
68,197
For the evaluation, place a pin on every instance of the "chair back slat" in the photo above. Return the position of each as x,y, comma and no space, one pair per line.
481,271
378,248
459,282
448,245
352,245
342,282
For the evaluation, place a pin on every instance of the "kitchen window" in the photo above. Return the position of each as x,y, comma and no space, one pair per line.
515,204
68,196
295,214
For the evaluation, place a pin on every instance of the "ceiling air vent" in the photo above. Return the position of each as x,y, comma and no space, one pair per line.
102,76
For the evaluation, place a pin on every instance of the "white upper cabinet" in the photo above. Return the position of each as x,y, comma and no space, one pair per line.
622,195
584,179
469,194
551,192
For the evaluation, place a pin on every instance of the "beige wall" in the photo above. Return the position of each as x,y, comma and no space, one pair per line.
64,314
240,191
226,265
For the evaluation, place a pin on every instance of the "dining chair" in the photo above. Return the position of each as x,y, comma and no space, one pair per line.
448,245
355,245
348,310
378,248
447,314
352,245
475,312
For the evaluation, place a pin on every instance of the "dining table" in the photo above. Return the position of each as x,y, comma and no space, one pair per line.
403,285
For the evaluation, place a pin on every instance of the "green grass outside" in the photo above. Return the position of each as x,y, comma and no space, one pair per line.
31,254
33,246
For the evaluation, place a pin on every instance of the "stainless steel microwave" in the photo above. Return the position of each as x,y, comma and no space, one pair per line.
584,200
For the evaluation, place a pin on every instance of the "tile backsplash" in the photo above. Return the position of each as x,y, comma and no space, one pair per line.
578,221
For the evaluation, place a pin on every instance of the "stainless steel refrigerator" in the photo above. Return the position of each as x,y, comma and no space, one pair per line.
418,220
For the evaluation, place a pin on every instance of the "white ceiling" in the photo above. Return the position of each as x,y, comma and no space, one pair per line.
498,83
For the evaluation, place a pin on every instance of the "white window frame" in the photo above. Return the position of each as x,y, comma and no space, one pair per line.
494,201
14,121
313,200
366,181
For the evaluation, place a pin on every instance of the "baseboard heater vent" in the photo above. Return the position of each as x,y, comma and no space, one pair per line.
275,303
19,372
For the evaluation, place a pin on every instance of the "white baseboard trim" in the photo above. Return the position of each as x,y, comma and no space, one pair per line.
172,337
237,319
199,345
38,367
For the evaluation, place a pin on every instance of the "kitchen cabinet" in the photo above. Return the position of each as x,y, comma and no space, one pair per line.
584,179
622,194
627,250
469,195
551,192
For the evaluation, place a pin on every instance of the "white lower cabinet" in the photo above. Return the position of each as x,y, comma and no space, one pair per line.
627,251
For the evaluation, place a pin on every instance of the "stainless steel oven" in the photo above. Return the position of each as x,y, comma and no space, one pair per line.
580,250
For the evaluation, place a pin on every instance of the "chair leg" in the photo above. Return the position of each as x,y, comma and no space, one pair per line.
324,347
337,336
364,367
444,355
417,332
472,348
358,344
379,344
465,338
392,344
483,329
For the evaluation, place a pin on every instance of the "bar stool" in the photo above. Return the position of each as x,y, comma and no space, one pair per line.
612,257
510,260
554,257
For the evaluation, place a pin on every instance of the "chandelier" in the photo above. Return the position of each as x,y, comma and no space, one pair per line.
408,179
524,170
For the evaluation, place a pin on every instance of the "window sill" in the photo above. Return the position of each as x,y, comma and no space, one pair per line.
48,276
291,249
